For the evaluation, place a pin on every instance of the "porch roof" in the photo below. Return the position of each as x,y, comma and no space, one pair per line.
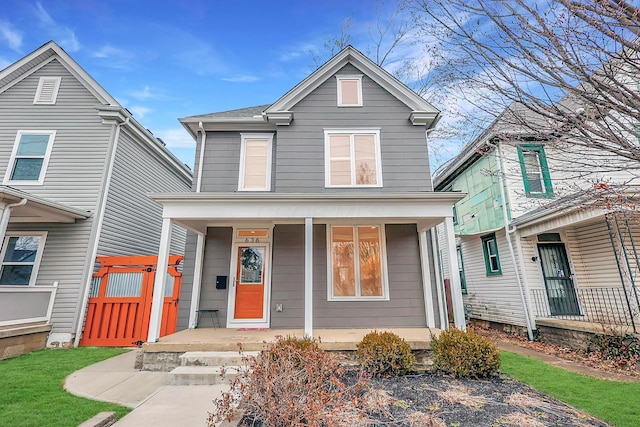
198,210
38,209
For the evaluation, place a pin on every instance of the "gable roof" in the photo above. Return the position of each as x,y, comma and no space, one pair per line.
50,51
422,111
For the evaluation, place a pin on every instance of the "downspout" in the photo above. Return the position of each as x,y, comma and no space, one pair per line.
203,145
508,230
94,252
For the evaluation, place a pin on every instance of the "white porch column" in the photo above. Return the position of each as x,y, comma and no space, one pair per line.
160,281
197,282
426,279
308,277
456,288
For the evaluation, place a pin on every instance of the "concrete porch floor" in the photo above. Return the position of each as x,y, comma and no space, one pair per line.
214,339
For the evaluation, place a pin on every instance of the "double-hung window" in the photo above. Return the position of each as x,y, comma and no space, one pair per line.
535,171
356,263
491,257
255,162
352,158
21,255
30,157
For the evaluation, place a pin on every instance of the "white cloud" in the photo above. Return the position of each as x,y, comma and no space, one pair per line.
12,36
62,34
241,79
146,93
109,51
139,111
114,57
177,138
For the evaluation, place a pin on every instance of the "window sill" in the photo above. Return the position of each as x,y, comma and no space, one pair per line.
540,195
357,299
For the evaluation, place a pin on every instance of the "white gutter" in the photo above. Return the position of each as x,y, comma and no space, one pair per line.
508,232
201,160
84,297
6,214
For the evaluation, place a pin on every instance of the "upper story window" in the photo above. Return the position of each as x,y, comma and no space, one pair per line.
352,158
30,157
535,171
255,162
47,91
491,257
21,255
356,263
349,90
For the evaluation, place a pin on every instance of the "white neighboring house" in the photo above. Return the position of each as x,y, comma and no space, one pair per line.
76,170
564,258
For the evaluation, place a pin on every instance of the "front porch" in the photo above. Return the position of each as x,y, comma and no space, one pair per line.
164,354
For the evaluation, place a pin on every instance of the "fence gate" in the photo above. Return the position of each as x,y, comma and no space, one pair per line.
119,306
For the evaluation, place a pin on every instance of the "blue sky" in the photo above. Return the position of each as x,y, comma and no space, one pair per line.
169,59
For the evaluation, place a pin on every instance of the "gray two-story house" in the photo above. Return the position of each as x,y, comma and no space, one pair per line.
315,211
76,168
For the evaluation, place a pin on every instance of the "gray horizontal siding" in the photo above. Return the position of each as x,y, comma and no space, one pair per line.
300,155
132,221
221,162
217,257
404,309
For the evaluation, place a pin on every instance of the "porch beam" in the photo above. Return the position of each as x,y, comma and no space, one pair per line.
308,277
426,280
197,282
160,282
456,287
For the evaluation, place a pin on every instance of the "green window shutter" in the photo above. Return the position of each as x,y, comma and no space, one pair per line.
536,183
491,256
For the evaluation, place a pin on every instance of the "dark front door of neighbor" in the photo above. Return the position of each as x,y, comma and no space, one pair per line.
557,279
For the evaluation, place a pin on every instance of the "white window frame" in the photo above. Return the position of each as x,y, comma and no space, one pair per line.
383,264
244,137
56,87
35,263
352,133
45,161
358,79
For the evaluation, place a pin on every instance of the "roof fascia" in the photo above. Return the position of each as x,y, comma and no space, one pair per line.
69,63
373,71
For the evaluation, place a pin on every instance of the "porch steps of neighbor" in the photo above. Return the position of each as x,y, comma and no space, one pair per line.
206,367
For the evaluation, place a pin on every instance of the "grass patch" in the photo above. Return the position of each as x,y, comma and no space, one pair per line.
32,393
612,401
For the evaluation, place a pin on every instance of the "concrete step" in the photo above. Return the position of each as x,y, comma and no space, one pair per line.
202,375
214,358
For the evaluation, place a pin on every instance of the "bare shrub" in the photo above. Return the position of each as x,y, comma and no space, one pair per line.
422,419
292,383
521,420
462,396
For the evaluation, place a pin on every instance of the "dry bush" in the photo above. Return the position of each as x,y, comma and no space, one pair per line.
292,383
422,419
461,396
385,354
465,354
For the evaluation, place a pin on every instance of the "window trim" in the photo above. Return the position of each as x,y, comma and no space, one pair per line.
243,141
36,262
383,264
544,170
352,133
45,159
463,276
358,79
54,92
485,251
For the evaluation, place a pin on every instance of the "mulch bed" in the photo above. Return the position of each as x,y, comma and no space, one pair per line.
436,400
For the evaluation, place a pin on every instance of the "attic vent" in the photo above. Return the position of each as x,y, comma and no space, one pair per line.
47,91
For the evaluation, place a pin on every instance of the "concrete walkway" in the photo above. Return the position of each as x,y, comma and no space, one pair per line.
154,402
157,404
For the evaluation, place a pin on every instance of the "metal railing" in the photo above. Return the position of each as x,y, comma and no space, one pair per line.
595,305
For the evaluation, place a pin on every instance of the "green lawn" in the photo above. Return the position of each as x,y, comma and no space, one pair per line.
617,403
31,392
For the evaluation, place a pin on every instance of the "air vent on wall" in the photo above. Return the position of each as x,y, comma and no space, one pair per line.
47,91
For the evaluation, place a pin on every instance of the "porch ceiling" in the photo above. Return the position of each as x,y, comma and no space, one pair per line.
198,210
38,209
